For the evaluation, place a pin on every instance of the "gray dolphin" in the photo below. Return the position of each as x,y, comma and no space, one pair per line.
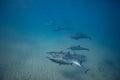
62,61
78,61
66,58
79,36
79,58
60,28
71,60
78,47
58,54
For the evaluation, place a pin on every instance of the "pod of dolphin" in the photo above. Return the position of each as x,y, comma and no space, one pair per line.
70,58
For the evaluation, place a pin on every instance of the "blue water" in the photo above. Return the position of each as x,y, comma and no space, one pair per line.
26,34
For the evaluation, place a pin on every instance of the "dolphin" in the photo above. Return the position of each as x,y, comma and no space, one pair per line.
76,62
62,61
76,58
79,36
58,54
66,58
53,52
78,47
59,29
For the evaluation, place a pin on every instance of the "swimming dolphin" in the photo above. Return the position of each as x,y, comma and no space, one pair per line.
58,54
79,36
66,58
78,47
53,52
61,28
62,61
77,57
78,61
75,62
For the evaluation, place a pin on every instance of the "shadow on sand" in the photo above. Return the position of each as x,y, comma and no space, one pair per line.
74,74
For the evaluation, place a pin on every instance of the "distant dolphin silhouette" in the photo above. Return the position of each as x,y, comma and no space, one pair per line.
61,28
79,36
78,47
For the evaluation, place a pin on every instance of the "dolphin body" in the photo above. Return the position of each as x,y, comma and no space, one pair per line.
55,54
60,29
58,54
68,56
61,61
79,36
77,58
78,47
70,59
80,58
78,61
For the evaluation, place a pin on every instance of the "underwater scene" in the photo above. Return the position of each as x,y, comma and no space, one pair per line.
59,40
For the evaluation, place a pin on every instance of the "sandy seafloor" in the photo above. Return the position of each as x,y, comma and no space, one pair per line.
26,60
